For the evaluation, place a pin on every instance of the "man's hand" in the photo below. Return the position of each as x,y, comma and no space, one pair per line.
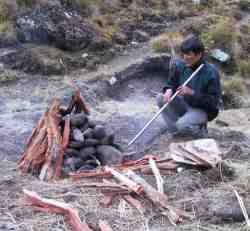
185,90
167,95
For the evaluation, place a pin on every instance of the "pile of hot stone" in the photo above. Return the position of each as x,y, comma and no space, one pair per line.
89,146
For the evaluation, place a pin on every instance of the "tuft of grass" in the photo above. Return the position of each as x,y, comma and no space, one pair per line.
7,76
233,92
26,3
167,41
244,4
4,12
235,86
221,33
244,68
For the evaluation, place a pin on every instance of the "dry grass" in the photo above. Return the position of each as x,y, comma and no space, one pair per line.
167,41
221,33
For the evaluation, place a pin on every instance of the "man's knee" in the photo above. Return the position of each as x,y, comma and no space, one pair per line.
182,125
160,100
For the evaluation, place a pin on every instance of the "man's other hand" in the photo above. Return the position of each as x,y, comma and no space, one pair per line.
167,95
185,90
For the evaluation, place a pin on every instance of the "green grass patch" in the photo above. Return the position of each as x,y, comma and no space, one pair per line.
244,4
235,86
221,33
244,68
167,41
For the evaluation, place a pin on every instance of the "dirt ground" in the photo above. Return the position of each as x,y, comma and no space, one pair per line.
204,195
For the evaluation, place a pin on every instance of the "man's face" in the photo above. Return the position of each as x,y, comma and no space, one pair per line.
191,58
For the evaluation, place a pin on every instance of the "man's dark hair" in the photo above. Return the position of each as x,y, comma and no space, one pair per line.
192,44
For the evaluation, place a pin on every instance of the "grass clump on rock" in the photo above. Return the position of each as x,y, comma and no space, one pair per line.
233,90
244,68
167,41
244,4
221,33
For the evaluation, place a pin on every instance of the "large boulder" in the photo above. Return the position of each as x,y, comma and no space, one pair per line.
54,24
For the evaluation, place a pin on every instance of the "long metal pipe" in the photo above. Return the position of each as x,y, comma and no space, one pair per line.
160,111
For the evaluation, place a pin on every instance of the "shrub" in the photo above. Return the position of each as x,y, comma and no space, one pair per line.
4,11
8,76
244,68
167,41
233,90
244,4
234,86
221,33
26,3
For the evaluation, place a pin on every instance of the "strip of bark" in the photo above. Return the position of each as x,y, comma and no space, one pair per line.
48,205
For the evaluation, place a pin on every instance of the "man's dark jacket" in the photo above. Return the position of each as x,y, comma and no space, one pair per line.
206,86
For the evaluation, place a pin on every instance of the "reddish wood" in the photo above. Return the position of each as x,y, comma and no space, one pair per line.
135,203
47,205
65,142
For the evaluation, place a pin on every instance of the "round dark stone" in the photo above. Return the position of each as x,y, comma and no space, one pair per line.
88,133
91,124
77,135
109,155
108,140
73,163
78,120
91,142
76,144
71,152
86,167
86,152
99,132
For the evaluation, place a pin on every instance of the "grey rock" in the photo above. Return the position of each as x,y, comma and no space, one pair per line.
86,167
86,152
108,155
71,152
91,142
88,133
55,25
108,140
78,120
73,163
76,144
99,132
77,135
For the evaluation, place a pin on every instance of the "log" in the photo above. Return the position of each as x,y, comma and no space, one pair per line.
135,203
52,206
157,198
137,188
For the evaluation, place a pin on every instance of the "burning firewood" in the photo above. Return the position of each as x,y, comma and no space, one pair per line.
38,203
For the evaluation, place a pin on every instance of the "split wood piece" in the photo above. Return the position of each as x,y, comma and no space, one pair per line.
158,177
163,172
48,205
34,155
65,142
54,140
135,203
137,188
100,172
104,226
78,104
157,198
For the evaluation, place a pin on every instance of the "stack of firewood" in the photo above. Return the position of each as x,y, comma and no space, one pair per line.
65,140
